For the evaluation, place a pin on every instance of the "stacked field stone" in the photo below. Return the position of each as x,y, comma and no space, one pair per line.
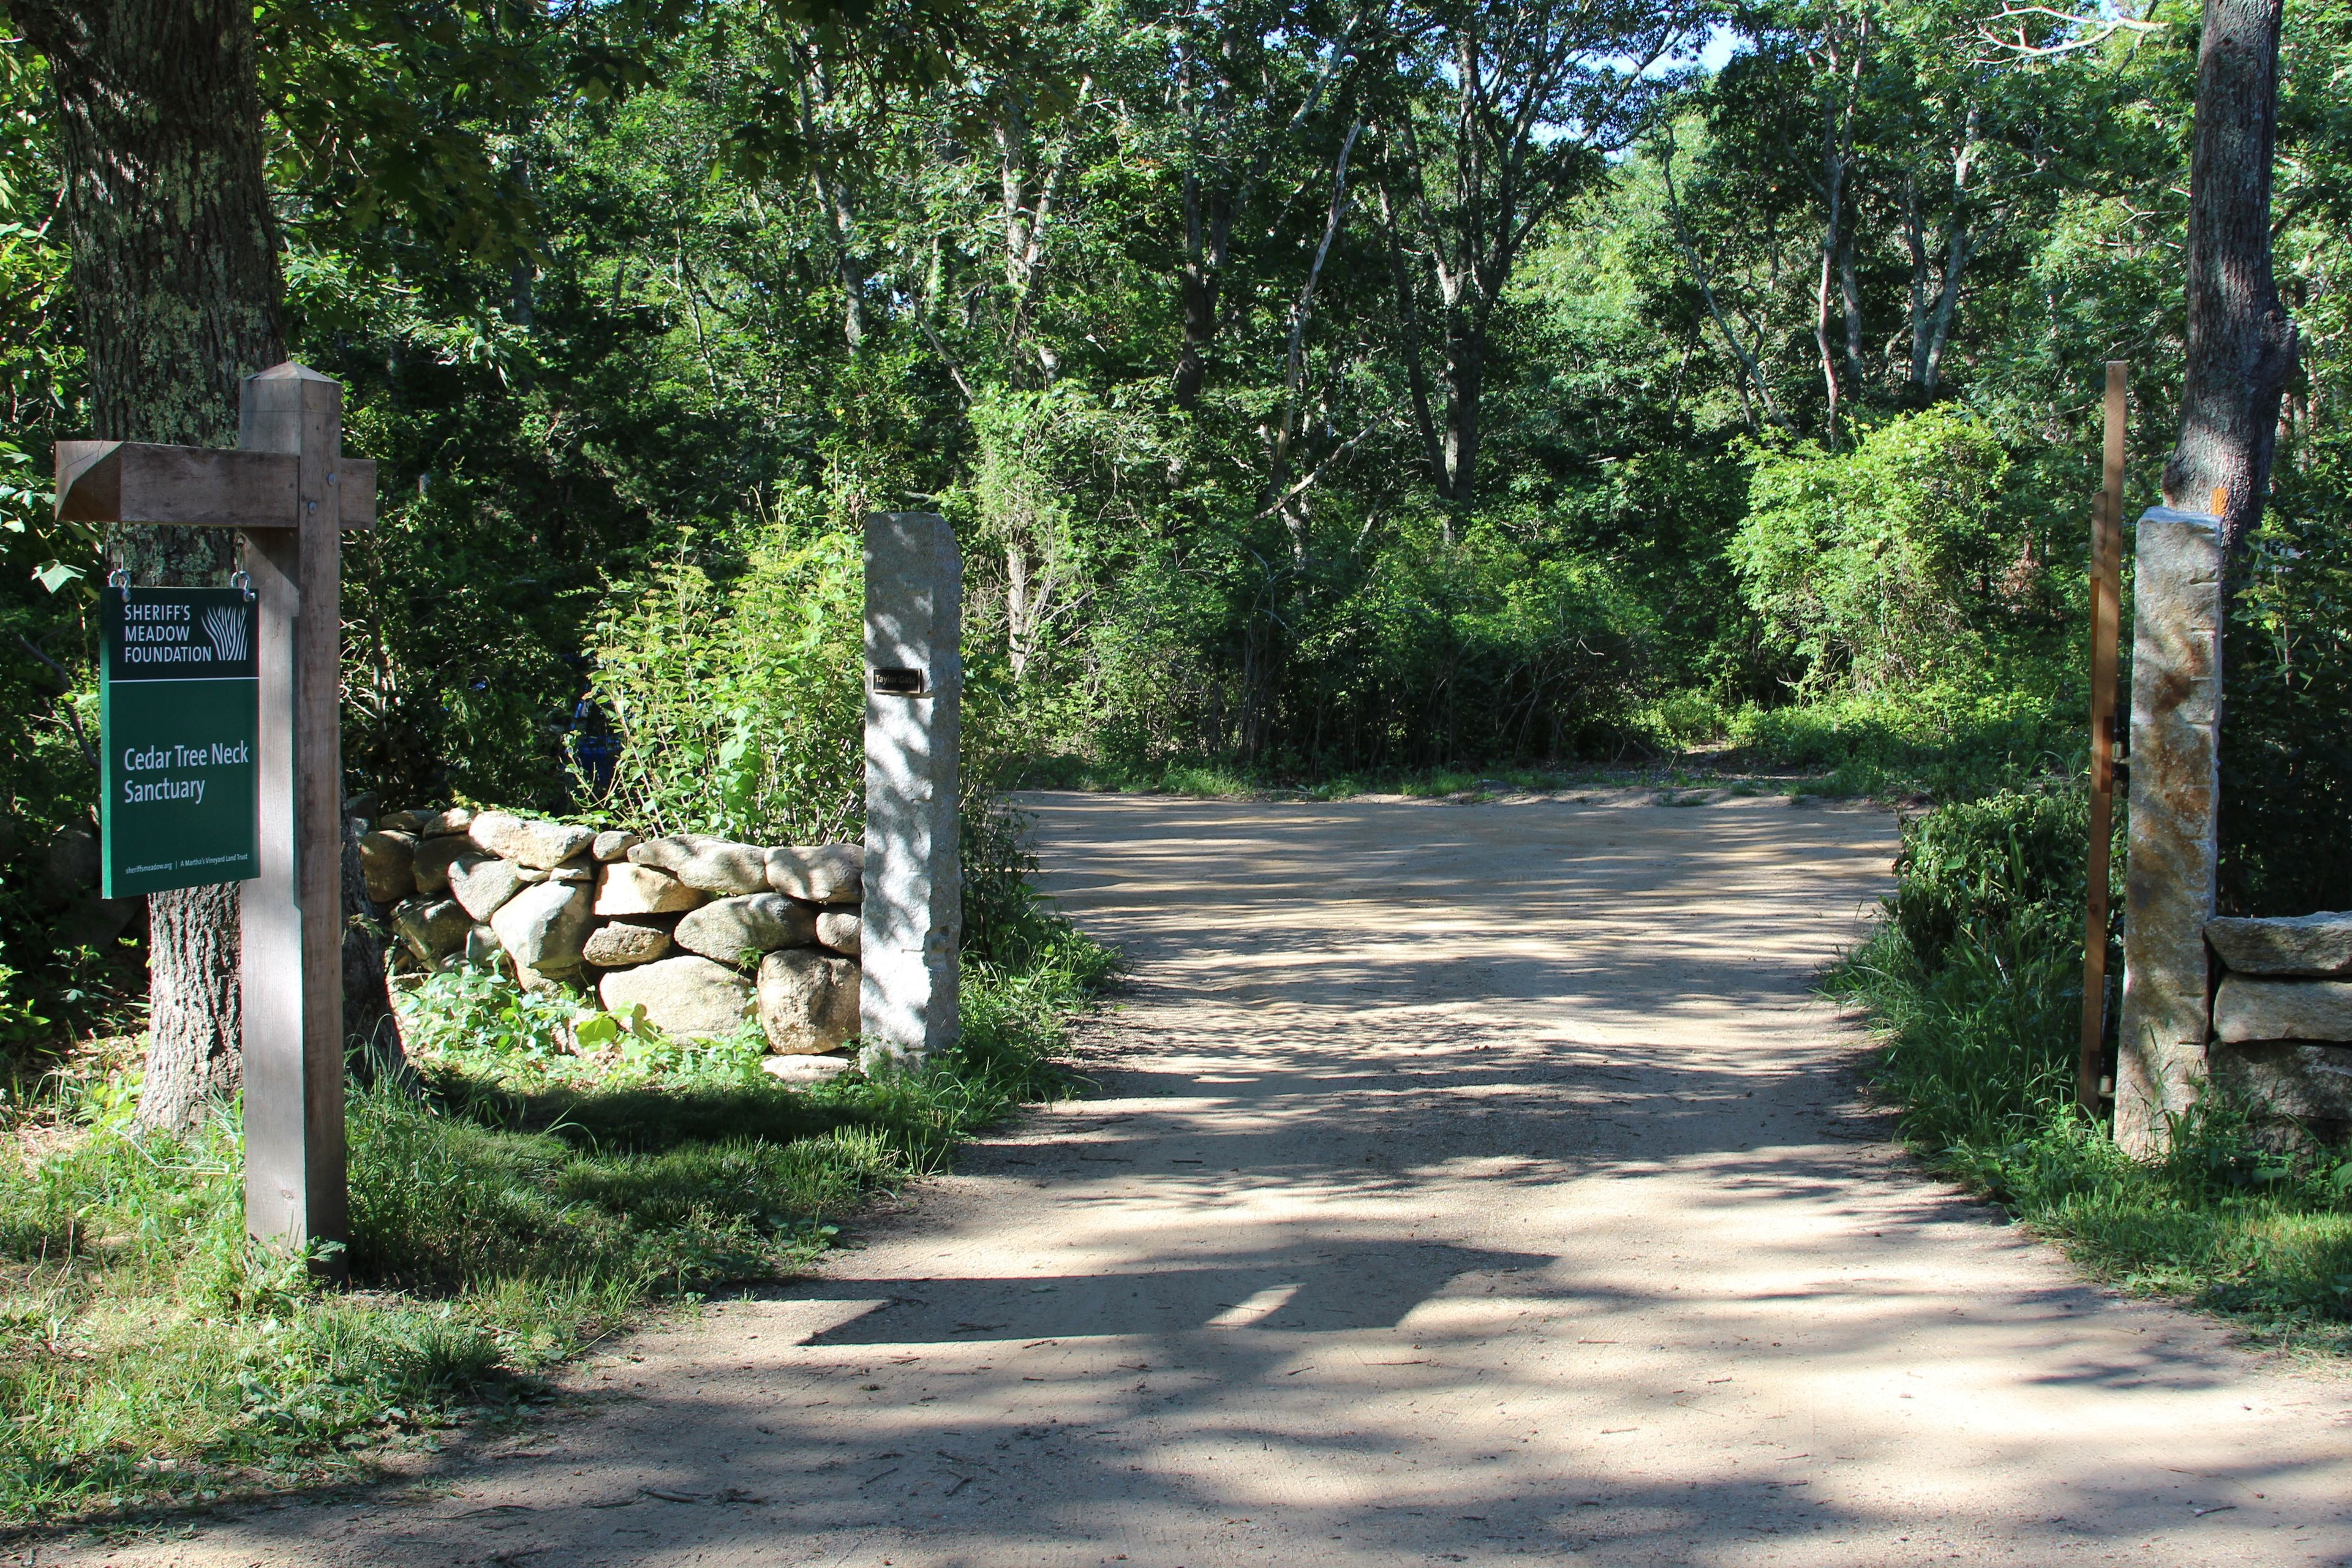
2282,1020
700,933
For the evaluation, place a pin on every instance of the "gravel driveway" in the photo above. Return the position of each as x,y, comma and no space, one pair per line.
1467,1183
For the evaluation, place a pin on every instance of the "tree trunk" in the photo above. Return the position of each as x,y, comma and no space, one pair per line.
1466,382
1834,180
1409,336
1850,291
193,1041
1208,234
850,266
2242,342
1025,603
176,286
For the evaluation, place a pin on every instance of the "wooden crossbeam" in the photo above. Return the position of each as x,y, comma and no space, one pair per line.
198,487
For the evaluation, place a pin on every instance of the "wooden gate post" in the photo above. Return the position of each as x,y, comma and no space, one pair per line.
291,922
2106,618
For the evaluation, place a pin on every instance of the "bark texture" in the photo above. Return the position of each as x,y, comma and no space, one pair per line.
2242,342
193,1056
176,286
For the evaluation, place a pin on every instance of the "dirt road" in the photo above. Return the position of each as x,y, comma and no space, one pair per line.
1468,1183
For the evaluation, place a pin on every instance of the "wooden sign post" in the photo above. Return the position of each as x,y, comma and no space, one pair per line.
287,488
2106,623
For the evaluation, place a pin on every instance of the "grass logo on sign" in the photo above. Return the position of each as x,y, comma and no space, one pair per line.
179,717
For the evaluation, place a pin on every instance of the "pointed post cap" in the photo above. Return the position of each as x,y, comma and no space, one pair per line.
291,369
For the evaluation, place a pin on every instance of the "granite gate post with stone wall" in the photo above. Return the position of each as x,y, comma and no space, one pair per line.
2259,1007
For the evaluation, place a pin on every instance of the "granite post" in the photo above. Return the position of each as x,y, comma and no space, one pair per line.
912,920
2176,788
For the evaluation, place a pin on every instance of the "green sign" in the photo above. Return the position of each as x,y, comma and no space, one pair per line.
179,716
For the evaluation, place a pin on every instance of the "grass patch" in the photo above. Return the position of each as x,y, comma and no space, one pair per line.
528,1202
1974,982
1938,742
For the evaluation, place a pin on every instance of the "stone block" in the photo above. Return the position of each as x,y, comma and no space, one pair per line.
431,928
685,998
614,845
543,928
806,1069
483,882
808,1001
840,929
713,864
753,923
2317,944
482,948
388,865
621,945
433,860
626,889
529,841
443,824
71,861
911,899
2249,1007
2305,1081
412,822
2176,785
817,873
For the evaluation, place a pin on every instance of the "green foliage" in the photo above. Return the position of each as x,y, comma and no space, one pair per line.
2286,738
480,1024
2013,863
1950,742
738,708
1886,566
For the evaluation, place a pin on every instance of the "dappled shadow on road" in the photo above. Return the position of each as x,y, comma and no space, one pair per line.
1441,1198
1373,1286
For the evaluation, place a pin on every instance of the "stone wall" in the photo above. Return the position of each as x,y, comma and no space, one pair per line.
2282,1021
700,933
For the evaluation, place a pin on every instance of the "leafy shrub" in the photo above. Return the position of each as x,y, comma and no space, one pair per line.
1979,1044
2009,864
1951,741
736,706
1887,564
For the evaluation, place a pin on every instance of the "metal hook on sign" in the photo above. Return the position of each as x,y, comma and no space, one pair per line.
243,583
120,578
